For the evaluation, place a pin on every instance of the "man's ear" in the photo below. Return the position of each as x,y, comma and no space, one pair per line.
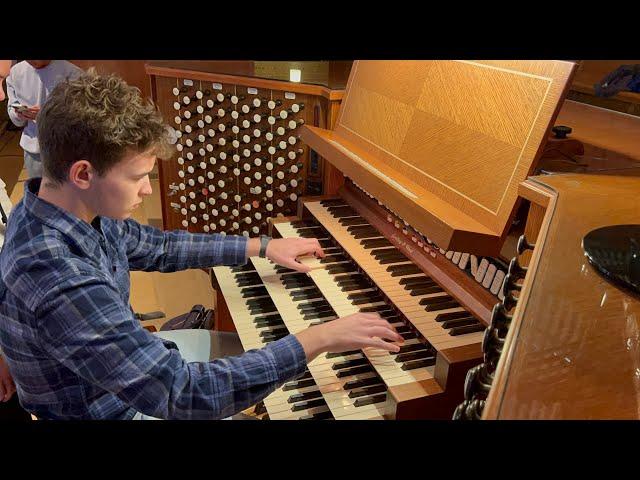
81,174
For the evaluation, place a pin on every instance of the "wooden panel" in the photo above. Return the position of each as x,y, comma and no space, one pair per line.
333,178
437,146
573,348
465,132
246,81
613,131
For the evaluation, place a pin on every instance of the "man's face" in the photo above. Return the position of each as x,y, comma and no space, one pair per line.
121,189
38,63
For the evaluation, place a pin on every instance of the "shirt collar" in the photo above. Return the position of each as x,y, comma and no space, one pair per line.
59,219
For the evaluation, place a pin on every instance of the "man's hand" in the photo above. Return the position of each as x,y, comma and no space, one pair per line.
352,332
284,251
7,387
29,114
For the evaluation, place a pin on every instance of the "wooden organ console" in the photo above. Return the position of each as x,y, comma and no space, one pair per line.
239,158
436,157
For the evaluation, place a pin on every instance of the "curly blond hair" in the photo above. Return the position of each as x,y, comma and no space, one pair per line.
98,118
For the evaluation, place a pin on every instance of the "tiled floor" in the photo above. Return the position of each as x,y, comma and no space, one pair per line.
171,293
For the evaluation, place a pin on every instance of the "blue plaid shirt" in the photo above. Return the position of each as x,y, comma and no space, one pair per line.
72,343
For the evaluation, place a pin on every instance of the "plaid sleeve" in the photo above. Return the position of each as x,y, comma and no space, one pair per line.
150,249
85,326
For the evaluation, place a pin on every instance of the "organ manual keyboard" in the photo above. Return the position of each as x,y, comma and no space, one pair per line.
421,232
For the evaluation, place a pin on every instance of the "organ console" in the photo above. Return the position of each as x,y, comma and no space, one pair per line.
439,228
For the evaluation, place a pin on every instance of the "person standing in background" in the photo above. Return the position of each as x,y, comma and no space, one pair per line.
9,406
28,86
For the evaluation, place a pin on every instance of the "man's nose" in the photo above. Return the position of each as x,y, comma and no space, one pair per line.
146,188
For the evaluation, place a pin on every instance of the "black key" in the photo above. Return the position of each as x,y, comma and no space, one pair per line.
361,383
404,269
326,243
247,267
268,318
383,251
388,256
348,221
362,228
361,402
350,287
250,292
277,321
443,302
274,332
315,316
281,270
387,253
356,296
422,284
427,362
409,335
320,314
365,235
247,283
410,356
413,280
412,348
303,307
291,280
340,354
367,298
356,277
468,329
354,371
397,259
344,212
368,391
268,324
262,310
313,233
246,276
442,317
350,364
403,329
304,396
340,268
333,202
326,415
323,311
377,308
306,295
425,290
273,338
304,223
375,243
339,212
460,322
259,302
297,285
309,404
333,258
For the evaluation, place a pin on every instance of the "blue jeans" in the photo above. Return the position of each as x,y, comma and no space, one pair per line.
33,164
